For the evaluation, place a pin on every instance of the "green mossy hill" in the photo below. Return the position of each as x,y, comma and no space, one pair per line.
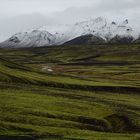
91,93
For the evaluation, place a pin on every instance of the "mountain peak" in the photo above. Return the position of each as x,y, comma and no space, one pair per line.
125,22
99,19
92,20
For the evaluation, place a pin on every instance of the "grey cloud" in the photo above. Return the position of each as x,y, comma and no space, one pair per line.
19,15
111,9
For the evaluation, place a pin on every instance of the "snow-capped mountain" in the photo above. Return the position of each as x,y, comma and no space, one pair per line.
60,34
29,39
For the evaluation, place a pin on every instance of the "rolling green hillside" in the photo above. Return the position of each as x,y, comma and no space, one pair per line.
70,92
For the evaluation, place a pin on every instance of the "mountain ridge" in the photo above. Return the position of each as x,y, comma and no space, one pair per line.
61,34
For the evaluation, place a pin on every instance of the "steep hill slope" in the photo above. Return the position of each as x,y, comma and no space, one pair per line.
121,40
137,40
86,40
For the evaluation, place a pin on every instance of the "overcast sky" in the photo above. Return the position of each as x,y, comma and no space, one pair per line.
20,15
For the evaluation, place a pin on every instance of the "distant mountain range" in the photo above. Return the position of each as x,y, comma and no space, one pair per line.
92,31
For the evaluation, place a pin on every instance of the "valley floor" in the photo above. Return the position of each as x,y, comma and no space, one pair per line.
70,93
